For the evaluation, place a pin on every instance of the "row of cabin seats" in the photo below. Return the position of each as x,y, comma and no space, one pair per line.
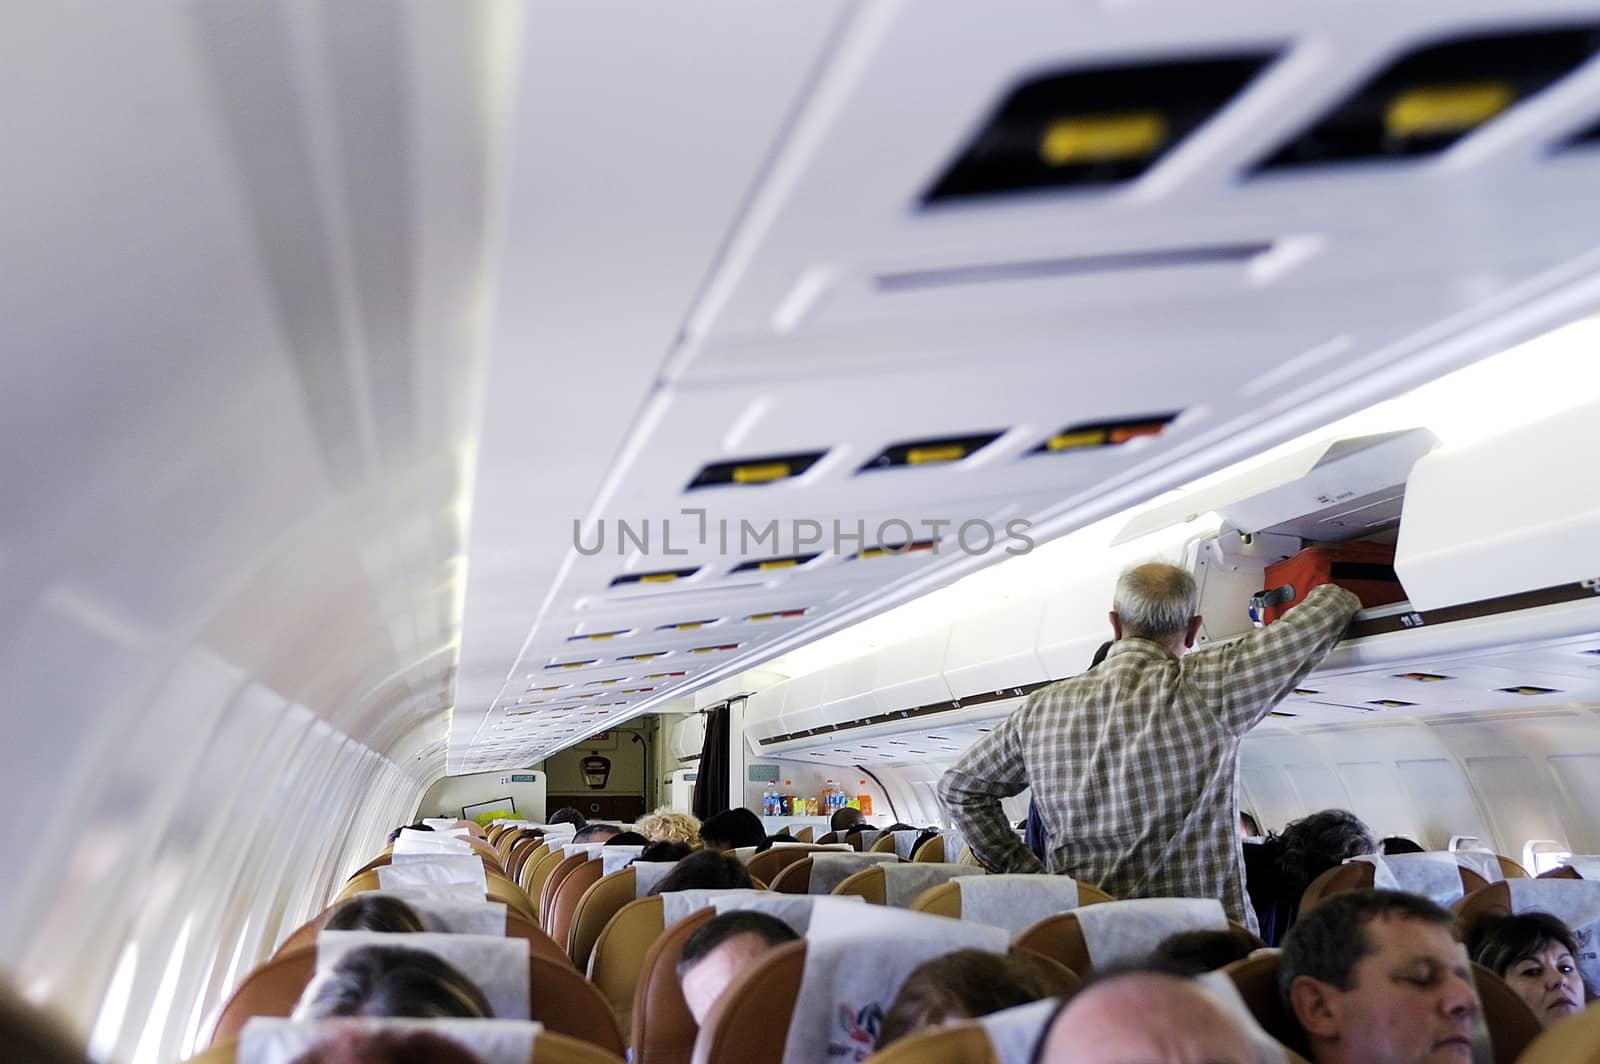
571,1022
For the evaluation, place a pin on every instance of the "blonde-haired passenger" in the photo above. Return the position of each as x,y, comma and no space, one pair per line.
664,825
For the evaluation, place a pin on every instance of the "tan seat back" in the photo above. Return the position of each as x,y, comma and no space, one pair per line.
750,1022
1575,1040
564,904
664,1031
521,850
794,879
618,957
1511,869
1512,1025
305,935
828,839
945,899
961,1043
595,908
867,883
548,1048
766,865
883,845
803,835
500,889
1357,875
547,894
559,998
1060,937
536,870
931,851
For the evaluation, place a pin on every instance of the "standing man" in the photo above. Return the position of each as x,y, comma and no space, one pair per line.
1134,764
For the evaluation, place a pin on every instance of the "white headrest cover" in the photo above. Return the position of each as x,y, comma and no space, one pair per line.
276,1040
1124,932
903,882
458,874
590,849
744,853
1482,862
828,870
1576,903
906,841
1016,1031
1434,875
1015,902
499,966
1586,865
439,823
793,909
616,858
646,874
428,842
855,963
450,915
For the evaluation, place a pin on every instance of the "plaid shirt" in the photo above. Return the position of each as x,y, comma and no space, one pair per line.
1134,765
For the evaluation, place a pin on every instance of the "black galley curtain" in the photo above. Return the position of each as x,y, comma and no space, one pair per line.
711,778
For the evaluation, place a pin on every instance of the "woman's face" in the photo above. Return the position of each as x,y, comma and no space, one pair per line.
1548,981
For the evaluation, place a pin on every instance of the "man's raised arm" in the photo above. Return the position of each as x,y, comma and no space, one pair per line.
971,791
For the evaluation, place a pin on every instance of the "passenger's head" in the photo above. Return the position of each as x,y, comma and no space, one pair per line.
732,829
664,825
1248,828
1156,601
706,870
394,835
1536,954
627,838
1193,952
664,851
720,949
1313,844
1397,844
844,818
567,815
1145,1018
387,1047
1377,977
391,981
373,912
964,985
595,833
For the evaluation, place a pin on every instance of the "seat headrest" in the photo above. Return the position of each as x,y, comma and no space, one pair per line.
646,874
498,966
451,915
1586,865
1483,862
1014,1033
1124,932
1434,875
796,910
828,870
903,882
459,874
616,858
588,849
411,841
1576,903
275,1040
1015,902
856,959
1267,1049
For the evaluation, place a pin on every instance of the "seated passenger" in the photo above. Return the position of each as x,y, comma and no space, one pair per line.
1395,844
567,815
720,949
844,818
1377,977
395,834
373,912
627,838
1145,1018
1193,952
387,1047
964,985
664,851
706,870
391,981
1536,954
1278,870
732,830
595,833
664,825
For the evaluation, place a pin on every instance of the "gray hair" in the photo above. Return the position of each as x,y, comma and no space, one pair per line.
1156,601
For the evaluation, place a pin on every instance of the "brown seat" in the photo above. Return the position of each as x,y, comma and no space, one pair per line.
1560,872
548,1048
750,1022
521,850
883,845
663,1028
766,865
1511,869
945,899
1060,938
1510,1023
931,851
305,935
564,904
1574,1040
794,878
559,998
960,1043
618,956
828,839
1495,900
536,870
593,908
500,889
870,884
547,894
803,835
1357,875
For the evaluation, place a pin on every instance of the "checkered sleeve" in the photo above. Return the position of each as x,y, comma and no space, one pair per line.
1247,678
990,770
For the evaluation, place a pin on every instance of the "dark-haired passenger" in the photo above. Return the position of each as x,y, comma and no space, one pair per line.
373,912
1194,952
1378,977
1399,844
1537,955
392,981
627,838
595,833
664,850
720,949
1278,869
568,815
966,984
844,818
732,829
387,1047
394,835
706,870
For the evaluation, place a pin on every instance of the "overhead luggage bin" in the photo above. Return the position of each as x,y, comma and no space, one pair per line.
1528,503
994,650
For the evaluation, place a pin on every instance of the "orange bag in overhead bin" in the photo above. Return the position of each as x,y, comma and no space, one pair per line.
1365,568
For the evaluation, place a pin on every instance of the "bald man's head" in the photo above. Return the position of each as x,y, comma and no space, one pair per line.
1146,1018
